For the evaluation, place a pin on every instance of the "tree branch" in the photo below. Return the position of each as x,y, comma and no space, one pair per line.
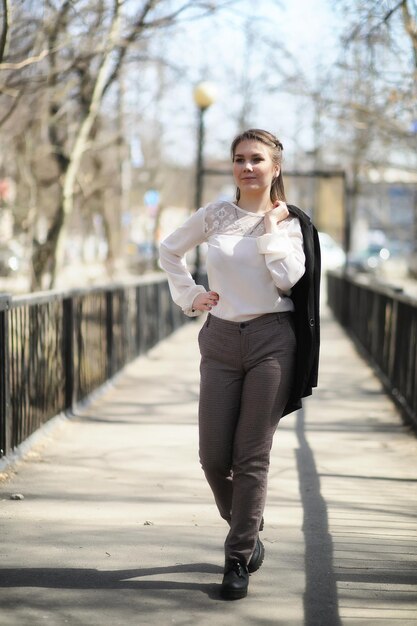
25,63
122,49
410,26
356,31
168,19
13,107
85,128
57,144
390,13
5,28
141,24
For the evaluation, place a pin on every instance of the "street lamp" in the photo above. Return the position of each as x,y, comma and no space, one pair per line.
204,96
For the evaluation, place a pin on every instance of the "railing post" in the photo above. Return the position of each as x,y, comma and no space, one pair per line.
161,311
68,347
5,416
157,308
109,333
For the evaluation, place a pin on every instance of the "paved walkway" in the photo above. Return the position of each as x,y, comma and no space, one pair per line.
117,525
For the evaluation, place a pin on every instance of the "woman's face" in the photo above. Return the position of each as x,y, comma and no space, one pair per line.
253,168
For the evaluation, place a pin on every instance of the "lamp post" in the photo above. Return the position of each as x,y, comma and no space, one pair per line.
204,96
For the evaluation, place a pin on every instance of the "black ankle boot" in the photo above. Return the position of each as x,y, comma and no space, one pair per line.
235,580
257,557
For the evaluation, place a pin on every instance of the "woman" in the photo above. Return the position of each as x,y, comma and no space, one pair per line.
248,346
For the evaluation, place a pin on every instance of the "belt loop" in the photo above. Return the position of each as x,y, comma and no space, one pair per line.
279,318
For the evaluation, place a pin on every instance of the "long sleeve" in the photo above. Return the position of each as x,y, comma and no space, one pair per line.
284,253
172,258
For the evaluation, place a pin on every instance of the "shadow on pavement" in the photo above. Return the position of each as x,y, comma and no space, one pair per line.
76,578
320,596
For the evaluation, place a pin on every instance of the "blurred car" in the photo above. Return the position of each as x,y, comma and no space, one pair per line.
10,259
389,260
369,259
332,254
398,263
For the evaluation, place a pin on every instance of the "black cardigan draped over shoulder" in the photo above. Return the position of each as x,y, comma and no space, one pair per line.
306,297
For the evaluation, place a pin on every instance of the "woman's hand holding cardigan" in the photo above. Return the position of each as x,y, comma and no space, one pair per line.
275,215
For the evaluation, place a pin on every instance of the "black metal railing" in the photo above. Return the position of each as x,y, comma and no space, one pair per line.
383,323
57,347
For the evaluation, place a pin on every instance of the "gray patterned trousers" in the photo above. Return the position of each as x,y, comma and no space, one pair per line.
246,374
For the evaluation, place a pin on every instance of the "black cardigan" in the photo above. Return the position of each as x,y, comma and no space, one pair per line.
306,297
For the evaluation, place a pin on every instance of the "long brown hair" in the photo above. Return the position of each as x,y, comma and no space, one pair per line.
275,147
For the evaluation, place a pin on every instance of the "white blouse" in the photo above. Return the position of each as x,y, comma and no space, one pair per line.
252,271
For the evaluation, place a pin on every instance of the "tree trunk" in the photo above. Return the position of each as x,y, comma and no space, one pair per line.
44,259
48,257
81,141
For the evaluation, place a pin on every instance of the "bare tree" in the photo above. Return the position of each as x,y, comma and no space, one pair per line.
374,90
65,61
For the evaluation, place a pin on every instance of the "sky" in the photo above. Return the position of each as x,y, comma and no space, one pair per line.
283,49
215,50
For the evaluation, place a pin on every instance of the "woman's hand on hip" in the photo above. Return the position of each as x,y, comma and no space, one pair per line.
277,214
205,301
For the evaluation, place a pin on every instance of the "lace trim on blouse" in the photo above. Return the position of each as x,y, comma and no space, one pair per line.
227,219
